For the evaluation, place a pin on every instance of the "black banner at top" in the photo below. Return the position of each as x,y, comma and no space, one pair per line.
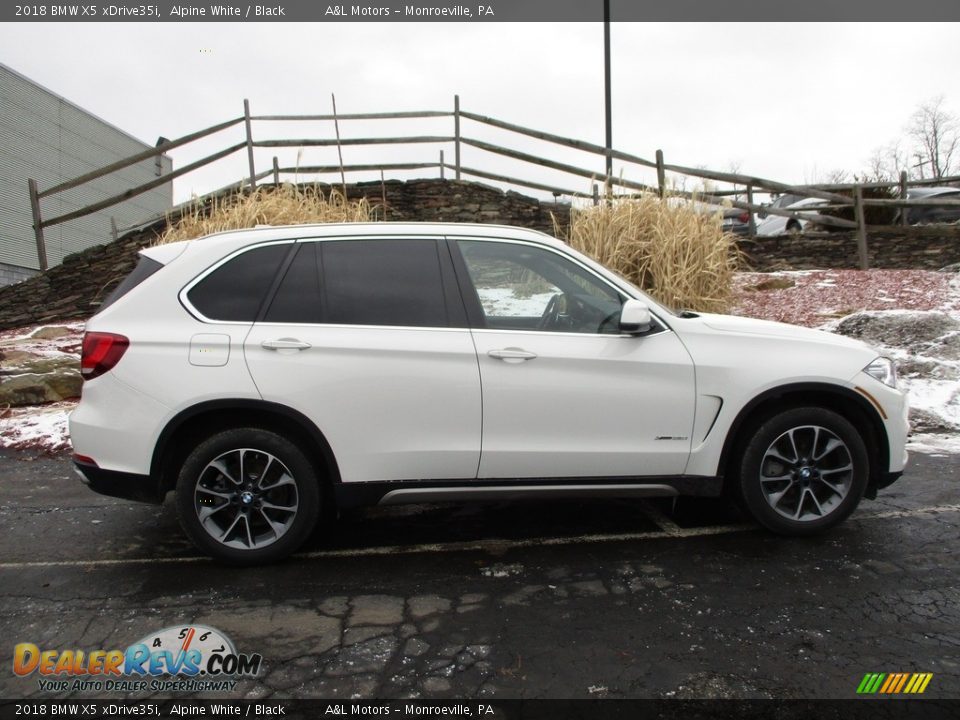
738,11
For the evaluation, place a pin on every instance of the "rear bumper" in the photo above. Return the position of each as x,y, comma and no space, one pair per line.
888,479
128,486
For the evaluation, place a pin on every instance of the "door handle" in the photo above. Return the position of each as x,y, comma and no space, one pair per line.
508,354
285,344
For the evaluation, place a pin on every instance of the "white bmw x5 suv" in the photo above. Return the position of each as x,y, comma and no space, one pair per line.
263,374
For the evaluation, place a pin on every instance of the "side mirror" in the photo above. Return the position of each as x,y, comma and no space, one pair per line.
635,317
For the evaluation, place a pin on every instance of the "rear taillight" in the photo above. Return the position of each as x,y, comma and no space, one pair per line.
744,217
101,352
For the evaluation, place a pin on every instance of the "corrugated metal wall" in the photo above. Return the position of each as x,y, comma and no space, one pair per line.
51,140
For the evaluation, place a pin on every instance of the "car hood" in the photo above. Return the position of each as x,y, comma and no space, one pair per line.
751,326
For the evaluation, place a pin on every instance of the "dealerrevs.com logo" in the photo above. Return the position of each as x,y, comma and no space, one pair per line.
183,658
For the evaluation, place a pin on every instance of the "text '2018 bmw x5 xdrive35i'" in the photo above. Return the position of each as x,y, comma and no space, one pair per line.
263,373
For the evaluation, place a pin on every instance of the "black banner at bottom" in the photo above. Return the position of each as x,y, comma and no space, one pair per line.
872,709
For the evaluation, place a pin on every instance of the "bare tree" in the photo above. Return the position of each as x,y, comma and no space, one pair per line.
837,177
937,135
887,161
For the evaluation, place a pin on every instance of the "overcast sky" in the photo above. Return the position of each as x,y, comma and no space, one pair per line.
791,102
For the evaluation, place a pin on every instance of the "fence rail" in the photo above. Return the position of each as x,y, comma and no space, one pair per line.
741,185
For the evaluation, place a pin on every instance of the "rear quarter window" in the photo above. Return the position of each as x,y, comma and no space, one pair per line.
235,291
144,269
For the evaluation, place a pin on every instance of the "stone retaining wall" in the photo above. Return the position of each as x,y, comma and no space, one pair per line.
74,289
918,247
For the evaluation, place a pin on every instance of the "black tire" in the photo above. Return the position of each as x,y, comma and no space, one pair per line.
273,508
809,495
793,226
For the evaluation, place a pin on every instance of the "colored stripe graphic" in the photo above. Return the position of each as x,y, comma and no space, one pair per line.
894,683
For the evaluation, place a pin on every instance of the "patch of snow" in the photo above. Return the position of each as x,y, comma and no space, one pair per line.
40,427
940,397
934,444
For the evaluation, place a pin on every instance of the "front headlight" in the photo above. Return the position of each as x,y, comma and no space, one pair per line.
883,370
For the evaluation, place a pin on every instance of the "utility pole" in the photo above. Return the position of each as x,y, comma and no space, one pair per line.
606,84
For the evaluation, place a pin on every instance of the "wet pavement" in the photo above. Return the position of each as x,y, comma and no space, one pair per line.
605,599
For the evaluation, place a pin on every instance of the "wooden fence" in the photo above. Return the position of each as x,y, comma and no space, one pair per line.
740,185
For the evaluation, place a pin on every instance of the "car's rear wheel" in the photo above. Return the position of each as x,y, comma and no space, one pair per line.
248,496
803,470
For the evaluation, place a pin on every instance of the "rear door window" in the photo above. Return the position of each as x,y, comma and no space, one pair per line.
382,282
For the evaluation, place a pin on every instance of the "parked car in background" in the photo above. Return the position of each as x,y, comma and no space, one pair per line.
268,375
779,224
931,214
736,221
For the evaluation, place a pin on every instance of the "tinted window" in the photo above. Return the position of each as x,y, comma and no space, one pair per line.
383,282
144,269
521,287
297,300
236,289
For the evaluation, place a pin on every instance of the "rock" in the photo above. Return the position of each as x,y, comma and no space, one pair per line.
15,358
951,268
30,379
61,382
924,421
776,283
911,331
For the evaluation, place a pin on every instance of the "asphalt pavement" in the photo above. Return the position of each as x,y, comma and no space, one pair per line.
599,599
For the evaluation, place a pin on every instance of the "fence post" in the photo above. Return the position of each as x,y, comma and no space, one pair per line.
114,233
336,127
861,227
246,122
37,224
661,175
903,196
456,135
383,193
596,195
276,171
441,165
752,230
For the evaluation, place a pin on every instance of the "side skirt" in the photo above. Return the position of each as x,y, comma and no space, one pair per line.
400,492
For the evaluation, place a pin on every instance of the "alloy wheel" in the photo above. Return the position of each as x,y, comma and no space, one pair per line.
246,499
806,473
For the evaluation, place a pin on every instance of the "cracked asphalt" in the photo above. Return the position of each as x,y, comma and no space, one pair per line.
606,599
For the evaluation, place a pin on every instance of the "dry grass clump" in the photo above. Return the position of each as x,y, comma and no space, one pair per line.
677,253
286,205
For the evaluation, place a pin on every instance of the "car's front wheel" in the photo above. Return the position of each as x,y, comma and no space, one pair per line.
803,470
248,496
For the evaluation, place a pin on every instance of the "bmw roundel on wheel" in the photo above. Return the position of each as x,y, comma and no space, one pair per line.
261,374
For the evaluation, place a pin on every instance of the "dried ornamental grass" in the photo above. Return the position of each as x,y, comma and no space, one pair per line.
671,249
286,205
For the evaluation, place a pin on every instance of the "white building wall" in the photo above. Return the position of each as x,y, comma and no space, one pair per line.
46,137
